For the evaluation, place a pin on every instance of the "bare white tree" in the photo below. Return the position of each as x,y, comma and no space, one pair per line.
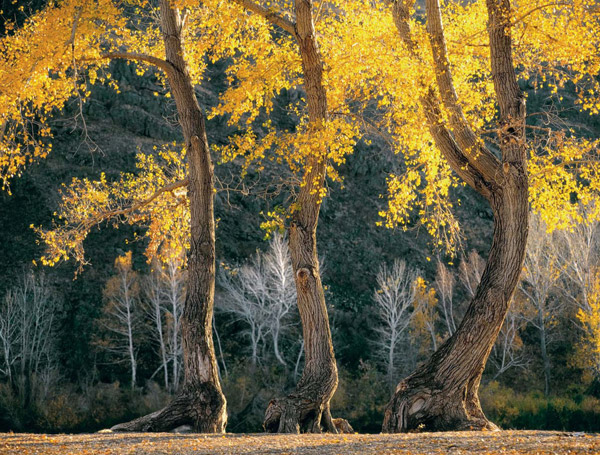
174,278
579,257
153,287
246,299
28,316
470,271
444,286
281,288
262,293
164,291
121,313
394,298
539,280
9,334
507,352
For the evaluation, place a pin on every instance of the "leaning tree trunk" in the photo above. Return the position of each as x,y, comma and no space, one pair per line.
443,393
200,402
307,408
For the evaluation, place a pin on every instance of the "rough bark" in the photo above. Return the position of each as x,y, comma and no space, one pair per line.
443,393
200,402
306,409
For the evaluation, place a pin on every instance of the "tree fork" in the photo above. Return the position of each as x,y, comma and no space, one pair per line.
442,394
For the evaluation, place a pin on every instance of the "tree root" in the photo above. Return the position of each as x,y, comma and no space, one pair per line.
420,409
201,406
293,414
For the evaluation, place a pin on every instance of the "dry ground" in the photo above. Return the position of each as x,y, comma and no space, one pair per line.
503,442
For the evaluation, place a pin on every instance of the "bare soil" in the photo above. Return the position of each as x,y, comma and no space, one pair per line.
500,442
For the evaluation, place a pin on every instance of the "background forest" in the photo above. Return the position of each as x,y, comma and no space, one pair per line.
83,354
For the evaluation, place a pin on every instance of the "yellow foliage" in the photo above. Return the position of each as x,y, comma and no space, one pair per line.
134,199
424,316
589,318
372,82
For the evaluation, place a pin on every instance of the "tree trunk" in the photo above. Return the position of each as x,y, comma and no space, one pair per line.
304,409
200,402
443,393
544,349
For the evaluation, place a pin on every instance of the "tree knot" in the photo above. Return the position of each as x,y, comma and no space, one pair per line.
302,274
195,141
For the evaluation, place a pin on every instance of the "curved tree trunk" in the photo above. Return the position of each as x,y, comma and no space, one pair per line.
443,393
200,402
307,408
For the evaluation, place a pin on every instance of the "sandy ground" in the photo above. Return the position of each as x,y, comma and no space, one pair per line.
502,442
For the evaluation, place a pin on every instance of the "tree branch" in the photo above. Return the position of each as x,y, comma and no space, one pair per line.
158,62
269,14
71,40
103,216
442,137
449,148
477,154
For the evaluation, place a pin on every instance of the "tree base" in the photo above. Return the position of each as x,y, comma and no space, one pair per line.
201,406
294,414
414,409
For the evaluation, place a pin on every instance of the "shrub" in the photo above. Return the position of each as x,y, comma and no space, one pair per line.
533,411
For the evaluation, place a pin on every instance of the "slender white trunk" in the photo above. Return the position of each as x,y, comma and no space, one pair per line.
275,335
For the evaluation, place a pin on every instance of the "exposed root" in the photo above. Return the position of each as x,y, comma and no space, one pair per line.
421,409
202,407
296,415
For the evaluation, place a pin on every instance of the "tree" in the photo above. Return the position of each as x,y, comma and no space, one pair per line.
262,293
507,351
541,275
444,285
322,140
470,271
589,319
28,322
283,291
442,394
578,252
247,299
122,313
153,294
165,296
425,317
43,63
394,299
